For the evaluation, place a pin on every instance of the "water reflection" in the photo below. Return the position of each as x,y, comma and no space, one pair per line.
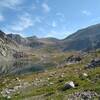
20,67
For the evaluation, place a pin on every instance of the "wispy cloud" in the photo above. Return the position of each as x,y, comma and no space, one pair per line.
10,3
87,13
24,22
45,7
1,17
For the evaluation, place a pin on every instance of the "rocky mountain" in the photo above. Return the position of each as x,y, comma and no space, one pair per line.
17,38
7,47
84,39
87,38
11,45
34,42
31,41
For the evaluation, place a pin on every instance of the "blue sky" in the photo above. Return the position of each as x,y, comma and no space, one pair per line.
48,18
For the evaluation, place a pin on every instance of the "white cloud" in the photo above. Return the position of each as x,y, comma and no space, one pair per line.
87,13
45,7
24,22
10,3
1,17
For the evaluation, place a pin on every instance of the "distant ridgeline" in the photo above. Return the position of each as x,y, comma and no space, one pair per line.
15,45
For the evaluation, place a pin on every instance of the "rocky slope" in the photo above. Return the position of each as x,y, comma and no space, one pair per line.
10,46
87,38
7,47
69,82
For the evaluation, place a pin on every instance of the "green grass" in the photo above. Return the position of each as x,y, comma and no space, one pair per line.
71,73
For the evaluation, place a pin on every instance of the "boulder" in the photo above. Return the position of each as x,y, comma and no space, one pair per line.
68,85
73,59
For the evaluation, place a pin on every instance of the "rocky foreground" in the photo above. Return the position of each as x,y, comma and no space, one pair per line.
77,79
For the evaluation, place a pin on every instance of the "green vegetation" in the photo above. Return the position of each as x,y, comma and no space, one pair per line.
48,85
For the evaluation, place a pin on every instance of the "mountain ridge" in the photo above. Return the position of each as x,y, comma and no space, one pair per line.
86,38
82,39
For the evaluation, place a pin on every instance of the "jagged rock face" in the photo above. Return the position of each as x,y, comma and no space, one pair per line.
18,39
7,46
2,34
3,48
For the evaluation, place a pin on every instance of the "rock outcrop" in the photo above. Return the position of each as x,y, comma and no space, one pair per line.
84,95
94,63
73,59
3,48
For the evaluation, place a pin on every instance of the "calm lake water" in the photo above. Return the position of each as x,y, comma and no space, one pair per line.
23,67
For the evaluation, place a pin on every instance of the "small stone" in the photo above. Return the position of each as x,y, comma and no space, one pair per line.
85,74
62,76
9,97
48,78
51,83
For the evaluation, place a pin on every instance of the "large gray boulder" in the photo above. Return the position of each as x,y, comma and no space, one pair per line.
69,85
